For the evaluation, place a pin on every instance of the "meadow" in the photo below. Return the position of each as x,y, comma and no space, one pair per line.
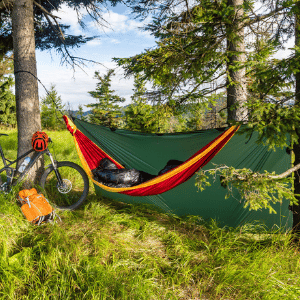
112,250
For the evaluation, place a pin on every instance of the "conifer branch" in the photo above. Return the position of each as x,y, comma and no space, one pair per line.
45,11
6,4
47,15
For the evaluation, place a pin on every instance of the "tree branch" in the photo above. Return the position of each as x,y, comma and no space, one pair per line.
6,4
47,14
45,11
255,175
261,18
286,173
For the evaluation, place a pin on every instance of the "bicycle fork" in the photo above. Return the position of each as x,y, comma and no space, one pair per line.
53,162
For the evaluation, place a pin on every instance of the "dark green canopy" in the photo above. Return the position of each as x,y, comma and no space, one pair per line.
150,153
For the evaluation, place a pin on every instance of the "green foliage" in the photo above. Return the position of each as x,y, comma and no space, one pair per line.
139,114
80,114
195,118
50,116
160,117
7,98
191,49
258,190
274,123
47,34
272,110
107,111
7,102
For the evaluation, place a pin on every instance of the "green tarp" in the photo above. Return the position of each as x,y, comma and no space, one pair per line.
150,153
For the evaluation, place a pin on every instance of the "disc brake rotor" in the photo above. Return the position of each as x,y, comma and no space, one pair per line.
65,187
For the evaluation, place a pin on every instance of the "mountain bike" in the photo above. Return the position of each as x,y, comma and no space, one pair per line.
64,183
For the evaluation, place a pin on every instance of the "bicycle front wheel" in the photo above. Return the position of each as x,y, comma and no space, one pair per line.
74,188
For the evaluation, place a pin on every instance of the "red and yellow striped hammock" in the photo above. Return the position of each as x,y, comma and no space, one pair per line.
91,155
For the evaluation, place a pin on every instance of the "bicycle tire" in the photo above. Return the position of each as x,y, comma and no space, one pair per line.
73,176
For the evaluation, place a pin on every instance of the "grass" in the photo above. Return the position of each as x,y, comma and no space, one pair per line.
112,250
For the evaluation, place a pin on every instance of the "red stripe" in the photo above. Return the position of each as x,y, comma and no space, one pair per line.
68,125
91,152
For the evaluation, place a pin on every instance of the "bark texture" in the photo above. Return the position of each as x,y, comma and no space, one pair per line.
236,88
26,86
296,147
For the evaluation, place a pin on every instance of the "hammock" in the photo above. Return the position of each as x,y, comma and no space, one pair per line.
90,155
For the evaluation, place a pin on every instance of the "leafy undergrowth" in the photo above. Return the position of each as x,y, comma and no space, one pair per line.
112,250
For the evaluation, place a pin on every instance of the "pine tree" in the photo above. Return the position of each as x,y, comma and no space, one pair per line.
139,114
7,98
50,116
144,116
7,102
80,114
106,111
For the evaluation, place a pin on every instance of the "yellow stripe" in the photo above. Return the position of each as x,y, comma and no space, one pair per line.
73,126
159,178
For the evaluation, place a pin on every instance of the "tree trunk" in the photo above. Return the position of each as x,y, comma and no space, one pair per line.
26,86
236,88
296,147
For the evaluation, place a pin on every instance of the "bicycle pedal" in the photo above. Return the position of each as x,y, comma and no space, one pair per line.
4,187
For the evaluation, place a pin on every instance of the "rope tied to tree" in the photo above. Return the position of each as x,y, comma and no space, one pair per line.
48,93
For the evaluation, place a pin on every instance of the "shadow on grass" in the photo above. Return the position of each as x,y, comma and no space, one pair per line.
193,227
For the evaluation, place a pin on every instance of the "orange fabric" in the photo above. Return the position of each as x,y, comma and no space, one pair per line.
35,206
26,193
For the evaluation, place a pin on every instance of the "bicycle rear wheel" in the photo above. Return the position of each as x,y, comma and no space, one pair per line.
74,190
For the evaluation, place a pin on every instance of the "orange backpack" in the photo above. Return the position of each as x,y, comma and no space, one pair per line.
36,207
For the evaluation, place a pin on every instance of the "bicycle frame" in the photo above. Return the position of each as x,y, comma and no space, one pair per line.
10,172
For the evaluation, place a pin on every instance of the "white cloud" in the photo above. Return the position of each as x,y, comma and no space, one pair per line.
68,16
113,23
115,41
94,42
118,23
74,87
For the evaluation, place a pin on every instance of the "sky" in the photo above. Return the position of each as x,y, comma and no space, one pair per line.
122,37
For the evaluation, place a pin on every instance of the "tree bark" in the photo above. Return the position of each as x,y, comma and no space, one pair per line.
296,147
236,75
26,86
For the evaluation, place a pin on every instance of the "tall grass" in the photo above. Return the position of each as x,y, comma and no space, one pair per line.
112,250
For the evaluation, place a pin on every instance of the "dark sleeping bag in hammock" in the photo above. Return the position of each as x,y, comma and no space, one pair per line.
171,164
108,174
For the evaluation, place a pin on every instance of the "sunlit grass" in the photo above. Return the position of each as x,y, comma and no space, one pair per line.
111,250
